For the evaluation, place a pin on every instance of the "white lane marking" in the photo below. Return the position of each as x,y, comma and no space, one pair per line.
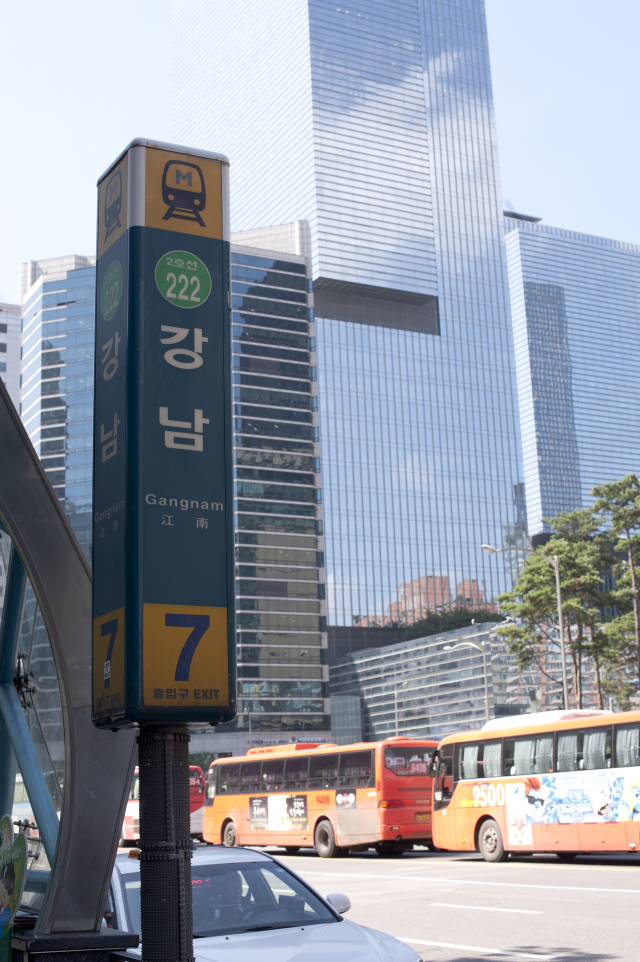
483,908
464,881
478,948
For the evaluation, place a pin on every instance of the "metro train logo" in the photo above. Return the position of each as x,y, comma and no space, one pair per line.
183,191
113,204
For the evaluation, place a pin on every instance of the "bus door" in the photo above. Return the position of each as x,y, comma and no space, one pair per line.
444,816
323,782
356,801
254,818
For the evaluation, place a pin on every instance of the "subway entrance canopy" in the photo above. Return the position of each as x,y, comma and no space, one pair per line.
76,777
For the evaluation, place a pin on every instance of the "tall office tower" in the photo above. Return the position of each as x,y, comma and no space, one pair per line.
575,302
372,124
10,322
57,378
279,566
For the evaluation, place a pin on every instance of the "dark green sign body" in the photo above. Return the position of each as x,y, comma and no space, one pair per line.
163,585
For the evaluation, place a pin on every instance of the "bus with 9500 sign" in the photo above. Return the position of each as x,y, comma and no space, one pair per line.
557,781
334,798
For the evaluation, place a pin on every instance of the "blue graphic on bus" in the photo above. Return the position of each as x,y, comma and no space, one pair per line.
596,796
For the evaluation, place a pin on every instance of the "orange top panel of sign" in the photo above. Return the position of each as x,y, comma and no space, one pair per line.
183,193
113,195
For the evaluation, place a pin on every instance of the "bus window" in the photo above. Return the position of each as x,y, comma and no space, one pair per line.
480,760
528,756
596,748
407,761
211,786
323,771
627,746
443,784
567,752
229,783
250,777
295,773
584,750
272,774
356,770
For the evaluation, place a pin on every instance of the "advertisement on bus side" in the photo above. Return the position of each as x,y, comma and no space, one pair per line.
278,813
592,797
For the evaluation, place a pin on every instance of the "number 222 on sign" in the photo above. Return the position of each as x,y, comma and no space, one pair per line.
185,659
488,795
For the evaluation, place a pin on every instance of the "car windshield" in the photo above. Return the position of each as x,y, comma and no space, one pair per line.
241,897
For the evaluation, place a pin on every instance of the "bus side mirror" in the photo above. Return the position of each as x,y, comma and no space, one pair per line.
433,764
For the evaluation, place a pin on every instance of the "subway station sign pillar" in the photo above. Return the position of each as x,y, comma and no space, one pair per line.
163,588
163,575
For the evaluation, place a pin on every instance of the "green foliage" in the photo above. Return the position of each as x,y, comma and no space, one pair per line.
203,759
458,617
590,543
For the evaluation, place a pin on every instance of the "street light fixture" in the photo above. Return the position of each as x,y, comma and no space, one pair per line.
480,646
395,696
555,564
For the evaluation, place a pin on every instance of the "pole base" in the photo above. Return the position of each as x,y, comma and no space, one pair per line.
79,946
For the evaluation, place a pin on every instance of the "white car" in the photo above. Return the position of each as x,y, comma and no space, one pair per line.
247,902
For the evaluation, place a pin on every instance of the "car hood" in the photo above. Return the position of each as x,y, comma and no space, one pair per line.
340,941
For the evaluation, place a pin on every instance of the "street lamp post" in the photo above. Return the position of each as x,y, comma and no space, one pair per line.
480,646
395,697
555,564
248,713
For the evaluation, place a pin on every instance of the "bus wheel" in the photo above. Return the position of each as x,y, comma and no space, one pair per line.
292,849
433,848
325,840
490,842
229,835
564,855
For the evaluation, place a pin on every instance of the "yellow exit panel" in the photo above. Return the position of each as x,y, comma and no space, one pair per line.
185,657
108,663
183,193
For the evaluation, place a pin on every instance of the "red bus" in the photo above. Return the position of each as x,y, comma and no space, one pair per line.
556,781
335,798
131,824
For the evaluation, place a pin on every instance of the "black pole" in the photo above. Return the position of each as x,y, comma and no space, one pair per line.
165,844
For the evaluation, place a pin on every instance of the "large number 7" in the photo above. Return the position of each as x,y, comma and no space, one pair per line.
109,628
200,624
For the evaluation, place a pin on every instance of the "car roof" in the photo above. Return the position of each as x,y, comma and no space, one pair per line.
202,856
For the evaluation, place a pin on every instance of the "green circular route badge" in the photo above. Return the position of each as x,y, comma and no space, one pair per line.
111,293
183,279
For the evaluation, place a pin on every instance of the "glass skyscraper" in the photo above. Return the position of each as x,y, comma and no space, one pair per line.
371,125
10,324
57,379
575,302
280,589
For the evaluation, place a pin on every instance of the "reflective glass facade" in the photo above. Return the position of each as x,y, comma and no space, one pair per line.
57,379
374,124
417,689
279,550
10,326
575,302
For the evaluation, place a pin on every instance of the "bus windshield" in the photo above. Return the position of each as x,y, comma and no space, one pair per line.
407,761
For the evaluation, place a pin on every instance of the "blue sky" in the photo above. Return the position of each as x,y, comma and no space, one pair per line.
80,80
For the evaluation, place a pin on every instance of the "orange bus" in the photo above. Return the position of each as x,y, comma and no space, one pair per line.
331,797
556,781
